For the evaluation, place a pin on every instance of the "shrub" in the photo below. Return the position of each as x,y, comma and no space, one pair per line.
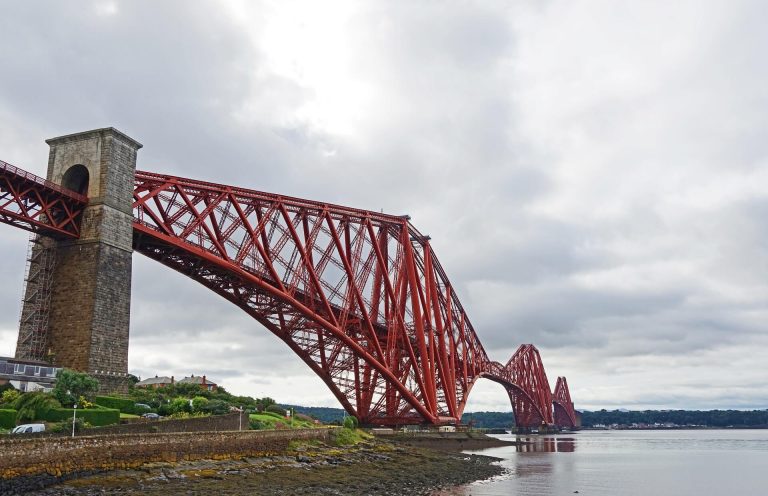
125,405
9,396
216,407
7,419
179,405
35,405
199,403
257,425
94,416
350,422
346,437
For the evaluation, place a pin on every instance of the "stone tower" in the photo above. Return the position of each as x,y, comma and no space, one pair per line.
87,310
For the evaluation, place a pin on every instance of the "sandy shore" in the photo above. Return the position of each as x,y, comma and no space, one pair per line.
380,467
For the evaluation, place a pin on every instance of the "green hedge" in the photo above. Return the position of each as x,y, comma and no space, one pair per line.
7,419
125,405
94,416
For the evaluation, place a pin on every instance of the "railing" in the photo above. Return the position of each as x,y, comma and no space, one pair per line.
5,166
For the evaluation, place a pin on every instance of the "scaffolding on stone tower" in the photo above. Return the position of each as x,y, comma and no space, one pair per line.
33,322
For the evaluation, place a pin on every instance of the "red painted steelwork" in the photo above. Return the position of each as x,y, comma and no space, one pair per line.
565,414
360,296
35,204
526,383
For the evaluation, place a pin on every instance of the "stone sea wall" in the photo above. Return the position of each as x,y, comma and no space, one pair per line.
26,461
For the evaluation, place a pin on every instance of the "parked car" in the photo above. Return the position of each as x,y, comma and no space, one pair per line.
151,415
28,428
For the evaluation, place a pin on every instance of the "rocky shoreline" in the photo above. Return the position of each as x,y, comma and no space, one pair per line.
376,466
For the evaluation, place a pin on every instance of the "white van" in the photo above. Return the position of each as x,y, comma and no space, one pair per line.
27,428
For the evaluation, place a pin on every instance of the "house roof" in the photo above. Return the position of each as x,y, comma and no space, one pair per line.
197,379
155,380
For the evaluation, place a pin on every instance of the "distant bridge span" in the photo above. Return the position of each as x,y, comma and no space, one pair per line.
358,295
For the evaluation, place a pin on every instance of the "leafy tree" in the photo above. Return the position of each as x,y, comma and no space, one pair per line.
9,396
264,403
275,409
31,406
70,385
199,403
179,405
216,407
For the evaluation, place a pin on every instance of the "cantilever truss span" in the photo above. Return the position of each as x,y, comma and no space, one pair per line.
359,296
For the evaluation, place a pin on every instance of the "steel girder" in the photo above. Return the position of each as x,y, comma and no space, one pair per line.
565,414
358,295
526,383
37,205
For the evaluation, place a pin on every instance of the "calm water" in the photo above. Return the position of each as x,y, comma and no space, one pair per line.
647,463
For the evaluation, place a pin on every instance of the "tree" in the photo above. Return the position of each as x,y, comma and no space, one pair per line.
199,403
9,396
263,403
31,406
179,405
70,385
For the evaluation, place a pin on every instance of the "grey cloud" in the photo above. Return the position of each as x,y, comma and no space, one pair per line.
585,191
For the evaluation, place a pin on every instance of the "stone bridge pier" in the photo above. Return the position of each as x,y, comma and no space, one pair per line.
77,300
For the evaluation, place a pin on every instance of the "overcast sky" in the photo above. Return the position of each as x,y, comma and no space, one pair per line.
593,174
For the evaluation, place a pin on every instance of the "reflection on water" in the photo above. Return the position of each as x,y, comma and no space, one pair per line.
632,463
537,444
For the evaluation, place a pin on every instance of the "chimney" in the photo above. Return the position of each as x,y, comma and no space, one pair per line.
172,380
203,379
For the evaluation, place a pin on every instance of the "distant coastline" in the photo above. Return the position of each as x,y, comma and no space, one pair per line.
640,419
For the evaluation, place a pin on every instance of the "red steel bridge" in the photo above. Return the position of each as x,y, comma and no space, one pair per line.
360,296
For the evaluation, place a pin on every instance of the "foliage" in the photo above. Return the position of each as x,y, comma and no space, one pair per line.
199,403
350,422
179,405
93,416
70,385
264,403
216,407
275,409
34,405
9,396
125,405
266,420
66,425
348,437
326,415
7,419
711,418
489,420
5,387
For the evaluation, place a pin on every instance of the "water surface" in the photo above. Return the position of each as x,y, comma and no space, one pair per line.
642,463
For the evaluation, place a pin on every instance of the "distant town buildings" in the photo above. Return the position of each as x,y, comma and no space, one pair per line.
155,382
202,381
160,382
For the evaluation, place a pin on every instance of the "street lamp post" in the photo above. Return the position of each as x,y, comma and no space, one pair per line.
74,419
